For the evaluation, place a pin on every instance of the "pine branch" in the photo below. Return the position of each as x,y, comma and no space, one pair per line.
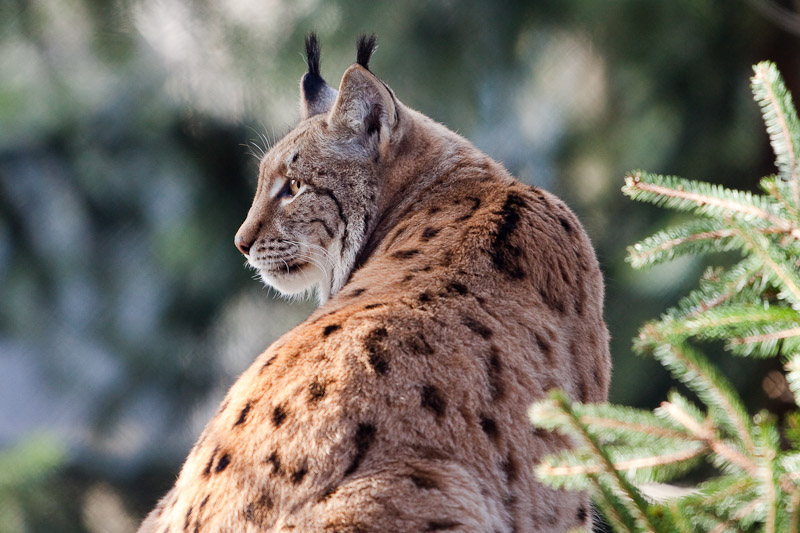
694,370
649,461
765,343
768,442
725,322
706,199
624,492
732,524
783,272
740,282
696,237
780,118
706,435
610,507
778,188
636,427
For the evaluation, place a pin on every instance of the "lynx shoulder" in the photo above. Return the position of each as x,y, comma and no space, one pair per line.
452,297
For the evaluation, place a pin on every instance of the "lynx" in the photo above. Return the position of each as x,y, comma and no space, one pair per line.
452,297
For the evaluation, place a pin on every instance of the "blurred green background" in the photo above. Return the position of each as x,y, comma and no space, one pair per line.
125,168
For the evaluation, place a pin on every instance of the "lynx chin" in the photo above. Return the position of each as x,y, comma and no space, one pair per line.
452,297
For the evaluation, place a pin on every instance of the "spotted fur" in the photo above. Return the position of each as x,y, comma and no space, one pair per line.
452,297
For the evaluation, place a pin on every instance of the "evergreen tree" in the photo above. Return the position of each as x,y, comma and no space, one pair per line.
754,308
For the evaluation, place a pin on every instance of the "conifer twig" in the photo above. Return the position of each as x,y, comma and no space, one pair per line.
627,464
634,181
725,403
740,514
762,77
782,334
783,274
641,257
637,506
731,290
599,422
706,435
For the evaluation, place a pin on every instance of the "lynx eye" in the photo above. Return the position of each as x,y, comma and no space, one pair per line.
294,186
291,188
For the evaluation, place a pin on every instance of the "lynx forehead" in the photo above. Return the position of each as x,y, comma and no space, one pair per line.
452,296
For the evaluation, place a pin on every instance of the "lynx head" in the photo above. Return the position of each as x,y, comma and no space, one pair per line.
319,187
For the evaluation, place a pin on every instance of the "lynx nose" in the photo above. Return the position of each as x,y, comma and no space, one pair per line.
242,244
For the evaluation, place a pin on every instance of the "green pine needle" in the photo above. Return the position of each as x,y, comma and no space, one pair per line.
697,237
780,118
707,199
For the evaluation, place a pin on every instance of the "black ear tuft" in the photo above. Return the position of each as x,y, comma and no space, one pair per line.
312,54
366,47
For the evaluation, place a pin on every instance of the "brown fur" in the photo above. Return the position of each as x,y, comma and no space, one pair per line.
400,404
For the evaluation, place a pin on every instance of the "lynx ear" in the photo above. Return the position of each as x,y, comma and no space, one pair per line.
365,105
316,96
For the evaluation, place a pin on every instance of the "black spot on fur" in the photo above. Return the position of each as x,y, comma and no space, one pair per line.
477,327
243,414
205,501
269,362
278,416
429,233
553,300
330,328
464,218
364,438
373,306
405,254
258,511
439,525
375,344
423,480
298,475
460,288
581,516
188,518
365,48
433,210
431,399
489,426
565,224
476,202
327,493
316,391
419,344
496,388
275,461
358,292
583,391
544,347
511,468
223,463
398,232
424,297
207,470
505,255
